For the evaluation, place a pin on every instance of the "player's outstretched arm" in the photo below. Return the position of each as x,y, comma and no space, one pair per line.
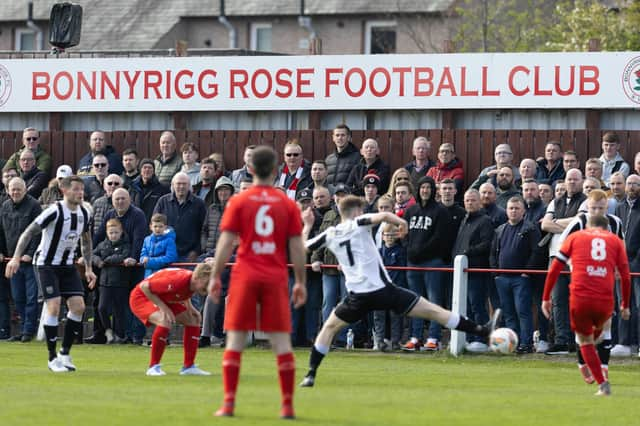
224,249
23,242
549,283
297,257
377,218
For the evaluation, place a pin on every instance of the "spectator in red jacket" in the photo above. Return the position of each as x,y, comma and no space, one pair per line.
448,167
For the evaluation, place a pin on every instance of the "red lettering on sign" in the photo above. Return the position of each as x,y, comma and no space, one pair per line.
40,90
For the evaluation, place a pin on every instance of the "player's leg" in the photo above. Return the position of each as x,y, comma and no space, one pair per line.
603,346
158,339
49,285
72,327
231,359
590,355
427,310
191,320
321,346
281,346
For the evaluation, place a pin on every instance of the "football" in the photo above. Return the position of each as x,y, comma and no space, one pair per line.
503,340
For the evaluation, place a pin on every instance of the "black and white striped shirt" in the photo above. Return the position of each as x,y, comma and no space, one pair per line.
61,231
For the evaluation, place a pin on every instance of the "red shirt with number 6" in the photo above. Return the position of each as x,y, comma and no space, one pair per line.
264,218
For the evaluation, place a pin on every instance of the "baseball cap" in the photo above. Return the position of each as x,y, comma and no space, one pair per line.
305,194
371,179
341,187
63,171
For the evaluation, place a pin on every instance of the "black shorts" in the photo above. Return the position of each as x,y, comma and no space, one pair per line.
356,305
59,281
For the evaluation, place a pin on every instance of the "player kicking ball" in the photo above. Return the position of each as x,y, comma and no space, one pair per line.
367,281
164,298
594,253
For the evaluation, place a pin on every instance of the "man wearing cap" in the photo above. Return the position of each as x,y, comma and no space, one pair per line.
148,188
16,214
31,141
52,193
370,164
97,145
371,188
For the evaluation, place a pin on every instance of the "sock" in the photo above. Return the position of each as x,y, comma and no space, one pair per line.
287,375
593,361
158,343
580,358
462,323
230,375
190,340
604,351
71,330
315,358
51,333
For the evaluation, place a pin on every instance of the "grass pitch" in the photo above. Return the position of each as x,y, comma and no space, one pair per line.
353,388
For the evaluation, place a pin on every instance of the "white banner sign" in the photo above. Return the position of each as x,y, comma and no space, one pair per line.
446,81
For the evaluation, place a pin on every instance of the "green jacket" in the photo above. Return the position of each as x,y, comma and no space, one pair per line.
43,161
324,255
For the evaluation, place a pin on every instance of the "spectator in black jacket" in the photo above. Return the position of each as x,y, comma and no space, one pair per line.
97,145
185,213
294,174
421,163
148,188
115,280
204,189
130,162
16,214
474,241
488,198
513,247
35,179
428,225
370,163
94,184
7,175
345,157
629,212
550,168
535,208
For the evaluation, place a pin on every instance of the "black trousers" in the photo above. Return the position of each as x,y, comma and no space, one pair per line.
112,309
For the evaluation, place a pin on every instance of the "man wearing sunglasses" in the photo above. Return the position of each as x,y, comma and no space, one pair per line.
294,174
31,141
97,145
94,185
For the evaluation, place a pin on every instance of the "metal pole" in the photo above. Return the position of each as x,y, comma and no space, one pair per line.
459,301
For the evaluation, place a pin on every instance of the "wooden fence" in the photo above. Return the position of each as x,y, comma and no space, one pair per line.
474,147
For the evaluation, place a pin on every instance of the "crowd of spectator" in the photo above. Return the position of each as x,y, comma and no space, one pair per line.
150,213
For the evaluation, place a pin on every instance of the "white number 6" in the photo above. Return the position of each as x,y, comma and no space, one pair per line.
264,222
598,249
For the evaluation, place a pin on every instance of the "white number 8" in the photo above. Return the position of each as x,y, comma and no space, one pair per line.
598,249
264,222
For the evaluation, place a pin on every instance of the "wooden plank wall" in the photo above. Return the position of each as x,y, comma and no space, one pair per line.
474,147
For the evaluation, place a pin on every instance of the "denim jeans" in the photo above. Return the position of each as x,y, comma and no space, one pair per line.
537,288
309,314
24,290
5,313
333,291
427,284
477,292
560,311
515,299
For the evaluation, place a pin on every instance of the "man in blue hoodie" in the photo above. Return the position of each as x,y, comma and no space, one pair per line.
429,223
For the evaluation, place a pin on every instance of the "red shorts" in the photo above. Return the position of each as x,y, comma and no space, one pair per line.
587,315
245,294
142,307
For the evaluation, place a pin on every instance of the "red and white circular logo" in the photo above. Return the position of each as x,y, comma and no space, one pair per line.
631,80
5,85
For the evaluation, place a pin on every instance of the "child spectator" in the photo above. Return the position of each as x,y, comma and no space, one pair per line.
393,254
159,248
114,281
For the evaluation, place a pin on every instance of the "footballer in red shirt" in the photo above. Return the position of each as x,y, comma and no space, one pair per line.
164,298
595,254
267,223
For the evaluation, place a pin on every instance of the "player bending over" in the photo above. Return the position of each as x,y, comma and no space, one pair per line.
63,225
164,298
594,253
370,288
